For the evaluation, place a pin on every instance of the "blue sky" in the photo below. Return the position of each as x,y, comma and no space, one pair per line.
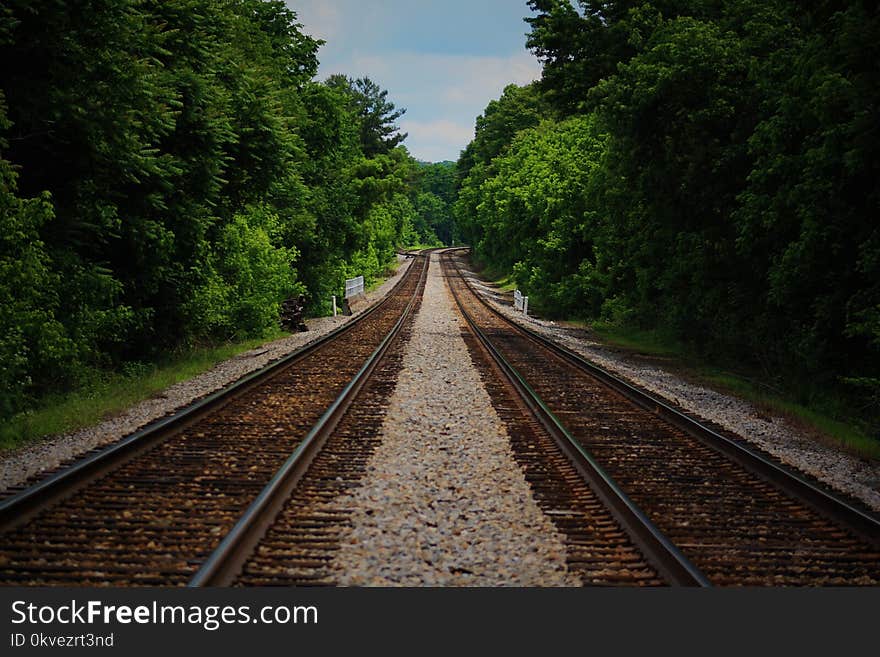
442,60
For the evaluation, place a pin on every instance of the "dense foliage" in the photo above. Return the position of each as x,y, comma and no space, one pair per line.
434,198
708,169
169,173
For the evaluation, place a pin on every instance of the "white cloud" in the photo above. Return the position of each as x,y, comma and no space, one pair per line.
441,129
340,22
434,141
443,93
460,76
486,77
321,19
454,87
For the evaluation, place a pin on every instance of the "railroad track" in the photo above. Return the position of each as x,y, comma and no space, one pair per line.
718,513
290,535
299,545
179,501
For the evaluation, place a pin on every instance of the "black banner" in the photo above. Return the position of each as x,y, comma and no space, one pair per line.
413,621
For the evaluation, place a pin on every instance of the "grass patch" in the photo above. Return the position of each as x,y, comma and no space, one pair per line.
651,343
825,422
822,417
109,393
389,271
502,279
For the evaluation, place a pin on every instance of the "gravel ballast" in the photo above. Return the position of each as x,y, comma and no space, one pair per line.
18,465
848,474
443,502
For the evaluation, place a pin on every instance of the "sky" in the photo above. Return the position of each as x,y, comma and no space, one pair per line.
442,60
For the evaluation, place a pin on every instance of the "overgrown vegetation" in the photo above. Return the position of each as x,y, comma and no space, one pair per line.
169,173
817,412
102,392
706,170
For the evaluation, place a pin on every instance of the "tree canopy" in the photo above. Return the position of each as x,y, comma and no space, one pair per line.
707,169
170,172
375,113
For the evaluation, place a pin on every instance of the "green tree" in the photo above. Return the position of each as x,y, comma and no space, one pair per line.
370,104
541,217
731,201
34,345
247,275
433,197
577,48
170,173
518,108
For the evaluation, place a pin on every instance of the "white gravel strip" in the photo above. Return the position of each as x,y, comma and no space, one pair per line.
17,465
849,474
444,502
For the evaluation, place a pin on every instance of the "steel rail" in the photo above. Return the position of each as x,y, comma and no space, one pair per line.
864,523
16,509
226,561
657,548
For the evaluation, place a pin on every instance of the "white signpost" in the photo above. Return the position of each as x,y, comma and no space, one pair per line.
354,286
520,302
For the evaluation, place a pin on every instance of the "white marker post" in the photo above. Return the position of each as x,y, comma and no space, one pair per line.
334,305
520,302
